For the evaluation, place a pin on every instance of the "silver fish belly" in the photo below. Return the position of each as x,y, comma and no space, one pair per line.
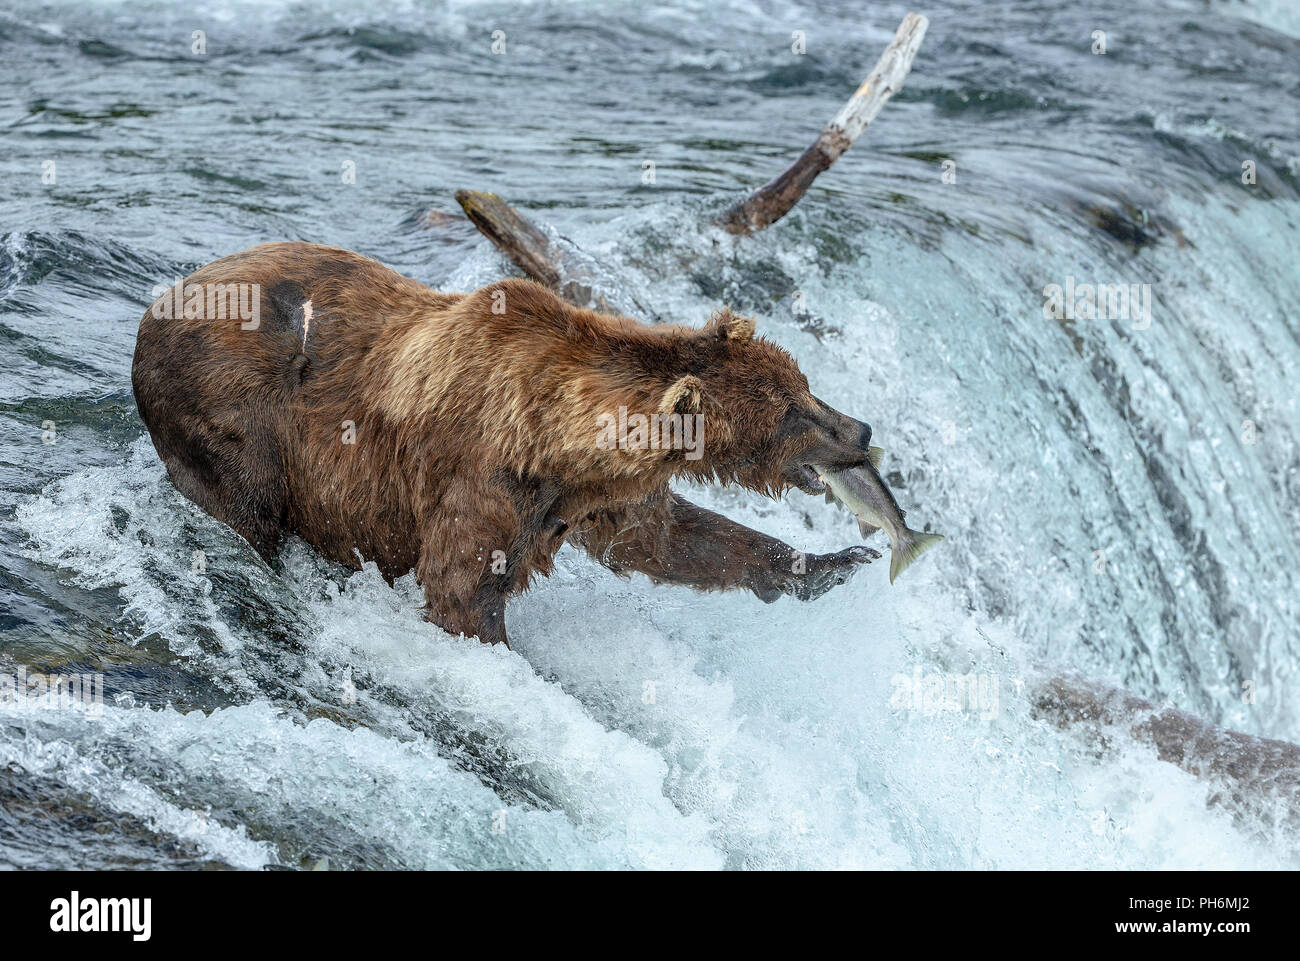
864,492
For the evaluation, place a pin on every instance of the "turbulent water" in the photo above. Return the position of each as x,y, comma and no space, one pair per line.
1119,496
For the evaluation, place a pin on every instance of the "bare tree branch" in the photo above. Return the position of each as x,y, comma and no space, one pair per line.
773,201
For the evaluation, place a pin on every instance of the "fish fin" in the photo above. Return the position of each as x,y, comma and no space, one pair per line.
909,550
874,455
830,498
865,529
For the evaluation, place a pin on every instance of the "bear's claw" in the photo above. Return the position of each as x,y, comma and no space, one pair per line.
830,570
823,571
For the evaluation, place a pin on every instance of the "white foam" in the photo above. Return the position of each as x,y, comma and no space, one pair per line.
766,738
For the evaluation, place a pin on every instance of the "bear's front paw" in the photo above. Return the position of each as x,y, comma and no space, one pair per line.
830,570
812,575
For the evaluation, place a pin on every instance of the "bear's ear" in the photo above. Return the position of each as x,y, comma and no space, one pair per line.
686,396
731,326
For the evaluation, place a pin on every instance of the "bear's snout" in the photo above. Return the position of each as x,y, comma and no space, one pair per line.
829,440
846,437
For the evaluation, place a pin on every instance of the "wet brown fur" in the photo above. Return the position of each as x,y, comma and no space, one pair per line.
475,431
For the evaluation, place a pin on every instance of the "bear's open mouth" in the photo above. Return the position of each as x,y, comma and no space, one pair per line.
811,481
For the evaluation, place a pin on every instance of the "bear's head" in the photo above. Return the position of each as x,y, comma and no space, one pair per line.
762,428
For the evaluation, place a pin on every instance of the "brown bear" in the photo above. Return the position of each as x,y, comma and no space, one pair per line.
302,389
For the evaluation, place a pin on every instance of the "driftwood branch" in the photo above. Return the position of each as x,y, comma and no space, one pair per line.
561,267
773,201
1260,777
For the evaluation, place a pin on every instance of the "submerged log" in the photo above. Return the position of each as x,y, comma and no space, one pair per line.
1260,777
773,201
518,237
559,266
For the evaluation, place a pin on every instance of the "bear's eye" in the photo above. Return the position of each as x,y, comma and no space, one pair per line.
793,422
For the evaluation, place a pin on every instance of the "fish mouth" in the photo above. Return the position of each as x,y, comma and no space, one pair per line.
809,479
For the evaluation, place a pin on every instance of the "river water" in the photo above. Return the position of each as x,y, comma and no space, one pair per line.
1120,494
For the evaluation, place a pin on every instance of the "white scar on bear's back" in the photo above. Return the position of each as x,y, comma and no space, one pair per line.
306,323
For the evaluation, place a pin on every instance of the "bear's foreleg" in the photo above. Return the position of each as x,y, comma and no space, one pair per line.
470,562
673,541
483,615
488,535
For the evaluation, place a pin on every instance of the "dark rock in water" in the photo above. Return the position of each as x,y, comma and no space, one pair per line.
98,48
45,824
1134,227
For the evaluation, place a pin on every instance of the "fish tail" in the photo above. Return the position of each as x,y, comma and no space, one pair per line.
909,547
